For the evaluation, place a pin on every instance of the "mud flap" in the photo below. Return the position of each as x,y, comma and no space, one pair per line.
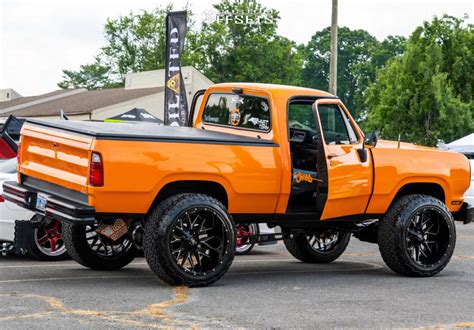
20,244
465,214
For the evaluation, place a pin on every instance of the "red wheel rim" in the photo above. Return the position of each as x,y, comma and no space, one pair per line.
243,234
49,239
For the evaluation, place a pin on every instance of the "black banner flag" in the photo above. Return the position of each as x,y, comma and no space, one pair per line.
176,106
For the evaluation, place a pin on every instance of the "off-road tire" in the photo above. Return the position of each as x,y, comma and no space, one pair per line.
157,231
391,235
80,251
300,248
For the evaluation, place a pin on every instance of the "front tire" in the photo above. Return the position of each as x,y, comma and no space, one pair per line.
417,236
189,240
95,251
318,247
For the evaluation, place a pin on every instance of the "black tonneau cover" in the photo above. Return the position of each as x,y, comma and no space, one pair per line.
148,132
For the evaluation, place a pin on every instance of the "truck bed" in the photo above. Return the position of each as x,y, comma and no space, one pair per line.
139,159
147,132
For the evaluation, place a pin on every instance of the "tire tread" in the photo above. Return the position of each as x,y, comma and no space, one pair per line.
79,250
389,232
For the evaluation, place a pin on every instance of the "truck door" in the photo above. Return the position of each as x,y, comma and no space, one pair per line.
308,163
349,175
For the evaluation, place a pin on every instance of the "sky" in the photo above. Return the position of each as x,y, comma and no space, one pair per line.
40,38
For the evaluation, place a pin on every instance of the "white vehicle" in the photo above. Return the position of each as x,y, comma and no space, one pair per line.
9,211
22,231
465,145
469,196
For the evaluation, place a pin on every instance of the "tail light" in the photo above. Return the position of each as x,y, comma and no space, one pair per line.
2,199
96,178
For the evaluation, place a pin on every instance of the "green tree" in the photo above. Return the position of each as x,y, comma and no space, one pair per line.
427,94
359,56
134,43
90,76
242,45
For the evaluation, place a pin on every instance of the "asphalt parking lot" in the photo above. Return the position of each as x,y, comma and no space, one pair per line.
265,289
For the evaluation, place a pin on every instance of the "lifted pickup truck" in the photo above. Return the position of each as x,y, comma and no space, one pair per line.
280,155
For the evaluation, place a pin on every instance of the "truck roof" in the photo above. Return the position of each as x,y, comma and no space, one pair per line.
277,91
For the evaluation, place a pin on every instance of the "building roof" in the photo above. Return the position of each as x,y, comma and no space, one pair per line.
26,99
80,102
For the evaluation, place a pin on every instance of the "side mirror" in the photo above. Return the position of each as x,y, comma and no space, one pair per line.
371,139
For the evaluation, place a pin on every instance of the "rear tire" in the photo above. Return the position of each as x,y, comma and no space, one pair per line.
417,236
189,240
318,247
94,251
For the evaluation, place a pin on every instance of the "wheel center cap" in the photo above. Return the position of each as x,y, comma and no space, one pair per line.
419,236
192,241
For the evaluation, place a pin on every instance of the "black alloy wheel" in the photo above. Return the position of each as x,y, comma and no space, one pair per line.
198,240
97,251
427,236
321,246
189,240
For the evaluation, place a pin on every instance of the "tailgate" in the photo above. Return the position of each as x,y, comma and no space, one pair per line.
56,156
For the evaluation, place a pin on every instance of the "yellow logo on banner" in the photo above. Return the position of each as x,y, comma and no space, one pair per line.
173,83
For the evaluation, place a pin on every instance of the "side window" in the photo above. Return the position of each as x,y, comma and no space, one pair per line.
238,111
301,116
336,127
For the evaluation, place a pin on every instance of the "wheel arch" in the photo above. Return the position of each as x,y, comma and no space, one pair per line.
206,187
424,188
436,187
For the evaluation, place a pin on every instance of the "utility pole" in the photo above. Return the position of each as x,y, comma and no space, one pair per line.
333,60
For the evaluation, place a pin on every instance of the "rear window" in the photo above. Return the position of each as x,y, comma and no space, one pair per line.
238,111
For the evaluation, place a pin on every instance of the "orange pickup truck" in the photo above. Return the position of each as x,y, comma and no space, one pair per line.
254,153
